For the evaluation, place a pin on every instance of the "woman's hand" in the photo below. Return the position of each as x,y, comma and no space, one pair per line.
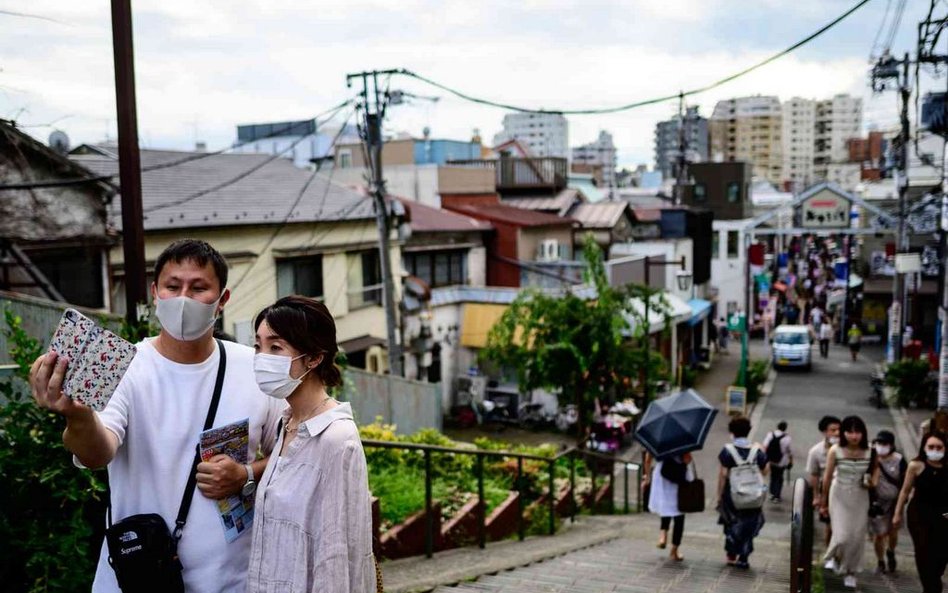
897,519
687,458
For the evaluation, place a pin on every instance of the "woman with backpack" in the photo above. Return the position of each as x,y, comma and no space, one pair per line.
851,471
892,468
662,481
741,492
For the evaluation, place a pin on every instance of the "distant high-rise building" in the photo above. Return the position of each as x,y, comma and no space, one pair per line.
799,143
544,134
749,129
601,153
667,141
837,121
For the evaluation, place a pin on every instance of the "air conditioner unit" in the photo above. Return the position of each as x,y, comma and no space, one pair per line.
376,360
549,250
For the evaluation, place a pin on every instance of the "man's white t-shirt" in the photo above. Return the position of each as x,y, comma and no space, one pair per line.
158,412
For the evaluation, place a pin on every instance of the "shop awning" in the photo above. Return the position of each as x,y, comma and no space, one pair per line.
678,312
700,309
477,321
359,344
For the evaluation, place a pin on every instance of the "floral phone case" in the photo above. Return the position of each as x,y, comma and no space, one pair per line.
98,359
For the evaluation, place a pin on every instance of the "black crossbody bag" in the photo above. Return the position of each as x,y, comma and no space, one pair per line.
142,551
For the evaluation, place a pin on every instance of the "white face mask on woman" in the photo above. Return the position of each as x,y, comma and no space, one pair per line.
883,450
184,318
934,454
273,374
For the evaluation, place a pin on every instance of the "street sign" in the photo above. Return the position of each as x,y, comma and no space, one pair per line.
735,400
826,209
907,263
736,322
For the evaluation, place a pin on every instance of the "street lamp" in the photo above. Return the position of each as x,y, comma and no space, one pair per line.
684,278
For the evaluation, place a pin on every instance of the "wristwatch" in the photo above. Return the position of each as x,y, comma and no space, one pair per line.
250,487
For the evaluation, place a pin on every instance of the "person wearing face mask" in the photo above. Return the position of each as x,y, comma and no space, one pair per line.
851,471
926,492
147,433
816,465
313,527
892,468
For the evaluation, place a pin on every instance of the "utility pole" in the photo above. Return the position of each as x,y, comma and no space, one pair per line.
372,105
130,172
885,69
682,176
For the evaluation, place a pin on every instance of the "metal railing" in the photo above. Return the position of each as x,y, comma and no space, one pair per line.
801,537
570,454
523,173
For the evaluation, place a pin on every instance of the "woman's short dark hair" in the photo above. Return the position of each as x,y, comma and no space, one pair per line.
826,421
932,434
308,326
853,423
739,427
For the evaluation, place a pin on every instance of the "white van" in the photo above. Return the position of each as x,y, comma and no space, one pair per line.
791,346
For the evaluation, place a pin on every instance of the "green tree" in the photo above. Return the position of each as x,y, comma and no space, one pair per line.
48,506
580,348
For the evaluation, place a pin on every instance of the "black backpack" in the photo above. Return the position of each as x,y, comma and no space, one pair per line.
774,452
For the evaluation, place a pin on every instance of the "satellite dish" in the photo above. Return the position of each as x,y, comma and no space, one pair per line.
59,141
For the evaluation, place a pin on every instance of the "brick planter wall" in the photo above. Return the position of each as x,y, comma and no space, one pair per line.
408,538
461,529
503,519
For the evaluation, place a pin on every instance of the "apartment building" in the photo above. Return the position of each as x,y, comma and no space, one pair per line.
749,129
544,134
837,121
599,154
799,143
667,141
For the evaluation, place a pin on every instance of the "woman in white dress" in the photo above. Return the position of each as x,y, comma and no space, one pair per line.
663,496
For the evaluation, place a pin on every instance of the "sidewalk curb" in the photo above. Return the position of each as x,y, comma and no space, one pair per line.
904,431
761,404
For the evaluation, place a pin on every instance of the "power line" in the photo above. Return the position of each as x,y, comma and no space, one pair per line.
646,102
875,41
896,22
299,198
32,16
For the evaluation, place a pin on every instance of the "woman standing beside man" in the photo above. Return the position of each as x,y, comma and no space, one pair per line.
313,528
662,481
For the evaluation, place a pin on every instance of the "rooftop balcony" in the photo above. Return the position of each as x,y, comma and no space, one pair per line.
516,174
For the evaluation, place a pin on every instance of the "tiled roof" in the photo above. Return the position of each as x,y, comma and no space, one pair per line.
435,220
262,197
600,215
560,203
648,214
511,215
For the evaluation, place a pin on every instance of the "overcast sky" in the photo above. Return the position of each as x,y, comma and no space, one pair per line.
204,66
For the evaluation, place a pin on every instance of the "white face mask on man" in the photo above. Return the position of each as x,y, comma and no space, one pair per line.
184,318
273,374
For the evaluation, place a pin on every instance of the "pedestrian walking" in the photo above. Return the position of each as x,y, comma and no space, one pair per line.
816,466
816,317
741,492
892,467
662,478
713,336
854,339
723,336
313,527
850,472
780,456
825,335
926,482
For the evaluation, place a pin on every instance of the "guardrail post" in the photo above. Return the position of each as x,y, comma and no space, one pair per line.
521,526
639,499
592,475
482,515
429,518
612,488
625,486
552,498
572,488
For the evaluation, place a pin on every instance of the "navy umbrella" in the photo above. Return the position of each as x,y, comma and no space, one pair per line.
675,424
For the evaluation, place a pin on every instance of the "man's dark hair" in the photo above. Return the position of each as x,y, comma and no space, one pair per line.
200,252
825,422
782,425
739,427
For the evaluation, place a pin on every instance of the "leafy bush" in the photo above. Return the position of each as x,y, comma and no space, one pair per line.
914,383
46,542
757,371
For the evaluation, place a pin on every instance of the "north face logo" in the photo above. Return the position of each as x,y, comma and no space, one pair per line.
128,536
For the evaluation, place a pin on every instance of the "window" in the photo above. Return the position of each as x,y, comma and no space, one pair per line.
303,276
733,244
440,268
345,159
715,244
733,192
364,279
700,192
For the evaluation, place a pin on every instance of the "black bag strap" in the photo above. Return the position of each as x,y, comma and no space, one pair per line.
208,422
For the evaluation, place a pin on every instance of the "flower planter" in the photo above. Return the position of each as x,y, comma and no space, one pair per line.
408,538
503,519
461,529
